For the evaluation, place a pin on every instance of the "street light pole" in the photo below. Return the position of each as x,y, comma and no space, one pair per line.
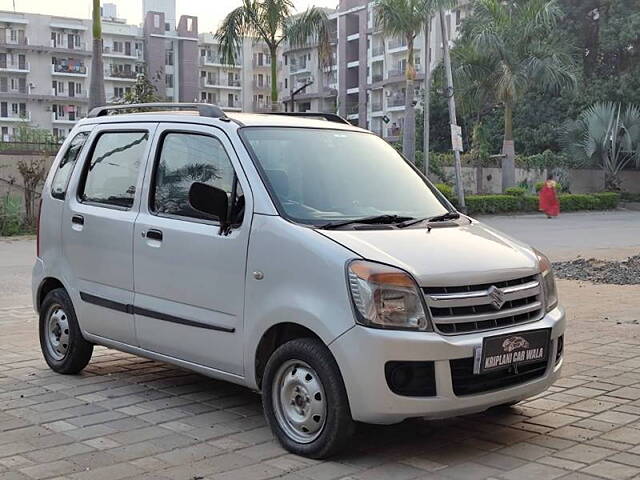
293,94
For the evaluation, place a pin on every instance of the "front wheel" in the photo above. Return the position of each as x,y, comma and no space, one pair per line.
304,399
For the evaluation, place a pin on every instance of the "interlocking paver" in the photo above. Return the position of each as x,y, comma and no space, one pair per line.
127,417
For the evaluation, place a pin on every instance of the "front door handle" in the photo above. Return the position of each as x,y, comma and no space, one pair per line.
77,219
154,234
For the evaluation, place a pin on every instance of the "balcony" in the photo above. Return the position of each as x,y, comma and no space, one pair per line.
299,68
396,100
69,119
377,51
15,67
120,75
217,82
66,46
394,131
227,105
376,106
20,42
15,117
110,52
263,64
69,69
261,106
377,77
397,44
257,85
67,95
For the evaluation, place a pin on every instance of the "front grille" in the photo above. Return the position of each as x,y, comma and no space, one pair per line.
487,306
466,383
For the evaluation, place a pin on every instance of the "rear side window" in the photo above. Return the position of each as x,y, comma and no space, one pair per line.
112,171
184,159
67,164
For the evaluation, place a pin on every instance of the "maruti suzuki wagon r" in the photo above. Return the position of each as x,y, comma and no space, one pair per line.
296,255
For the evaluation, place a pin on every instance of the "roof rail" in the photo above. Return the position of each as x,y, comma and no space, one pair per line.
329,117
203,109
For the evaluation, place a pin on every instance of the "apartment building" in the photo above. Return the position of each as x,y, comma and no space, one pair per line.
311,79
365,80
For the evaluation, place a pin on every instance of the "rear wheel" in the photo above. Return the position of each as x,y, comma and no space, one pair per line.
304,399
64,348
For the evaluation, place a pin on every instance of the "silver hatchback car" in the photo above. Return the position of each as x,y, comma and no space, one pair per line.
296,255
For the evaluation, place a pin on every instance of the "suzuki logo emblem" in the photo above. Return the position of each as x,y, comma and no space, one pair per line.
497,297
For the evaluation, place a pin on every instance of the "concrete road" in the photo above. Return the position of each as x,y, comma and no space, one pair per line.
613,235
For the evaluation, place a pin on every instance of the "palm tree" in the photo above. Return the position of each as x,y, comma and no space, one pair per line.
273,22
516,43
606,134
404,19
431,7
97,96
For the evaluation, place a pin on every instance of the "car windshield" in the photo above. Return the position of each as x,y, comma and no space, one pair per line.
319,176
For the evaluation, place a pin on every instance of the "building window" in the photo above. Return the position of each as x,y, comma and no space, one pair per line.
169,57
167,26
156,21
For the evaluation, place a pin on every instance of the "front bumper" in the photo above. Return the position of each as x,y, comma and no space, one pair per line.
362,353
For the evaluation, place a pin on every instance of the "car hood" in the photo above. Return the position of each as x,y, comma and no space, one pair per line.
445,255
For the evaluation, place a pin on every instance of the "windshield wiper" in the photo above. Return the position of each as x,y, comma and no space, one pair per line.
377,219
438,218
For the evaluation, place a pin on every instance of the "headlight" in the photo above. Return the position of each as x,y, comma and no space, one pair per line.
548,281
386,297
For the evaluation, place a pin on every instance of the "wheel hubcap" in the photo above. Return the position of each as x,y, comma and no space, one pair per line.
299,401
57,335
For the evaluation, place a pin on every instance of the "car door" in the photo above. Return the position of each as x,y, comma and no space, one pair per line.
189,275
97,229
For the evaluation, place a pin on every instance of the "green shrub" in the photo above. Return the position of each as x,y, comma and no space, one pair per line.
539,186
446,190
515,191
630,197
490,204
607,200
10,217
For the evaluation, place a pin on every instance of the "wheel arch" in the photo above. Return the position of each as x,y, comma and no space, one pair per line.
274,337
47,285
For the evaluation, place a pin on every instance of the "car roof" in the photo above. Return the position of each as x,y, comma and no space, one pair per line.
237,118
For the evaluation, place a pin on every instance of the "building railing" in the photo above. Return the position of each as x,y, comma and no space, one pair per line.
261,106
128,74
16,117
65,44
377,77
394,131
218,82
22,66
396,101
261,85
133,53
15,41
377,51
76,68
302,67
397,43
376,106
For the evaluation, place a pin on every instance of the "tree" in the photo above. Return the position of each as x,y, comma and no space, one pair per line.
515,45
142,92
404,19
97,96
606,134
430,9
273,22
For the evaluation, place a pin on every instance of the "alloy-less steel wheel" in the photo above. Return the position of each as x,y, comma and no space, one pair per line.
304,399
61,341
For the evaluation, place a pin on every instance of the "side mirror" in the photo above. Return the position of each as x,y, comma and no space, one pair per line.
209,200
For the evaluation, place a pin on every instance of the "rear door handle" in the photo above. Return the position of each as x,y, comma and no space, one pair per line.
77,219
153,234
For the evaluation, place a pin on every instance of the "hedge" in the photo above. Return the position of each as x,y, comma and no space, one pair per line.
491,204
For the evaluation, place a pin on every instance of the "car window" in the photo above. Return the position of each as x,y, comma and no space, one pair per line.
66,166
186,158
112,172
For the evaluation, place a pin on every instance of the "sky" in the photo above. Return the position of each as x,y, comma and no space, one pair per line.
210,12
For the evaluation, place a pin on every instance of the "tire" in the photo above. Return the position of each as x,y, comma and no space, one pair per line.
306,364
64,348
